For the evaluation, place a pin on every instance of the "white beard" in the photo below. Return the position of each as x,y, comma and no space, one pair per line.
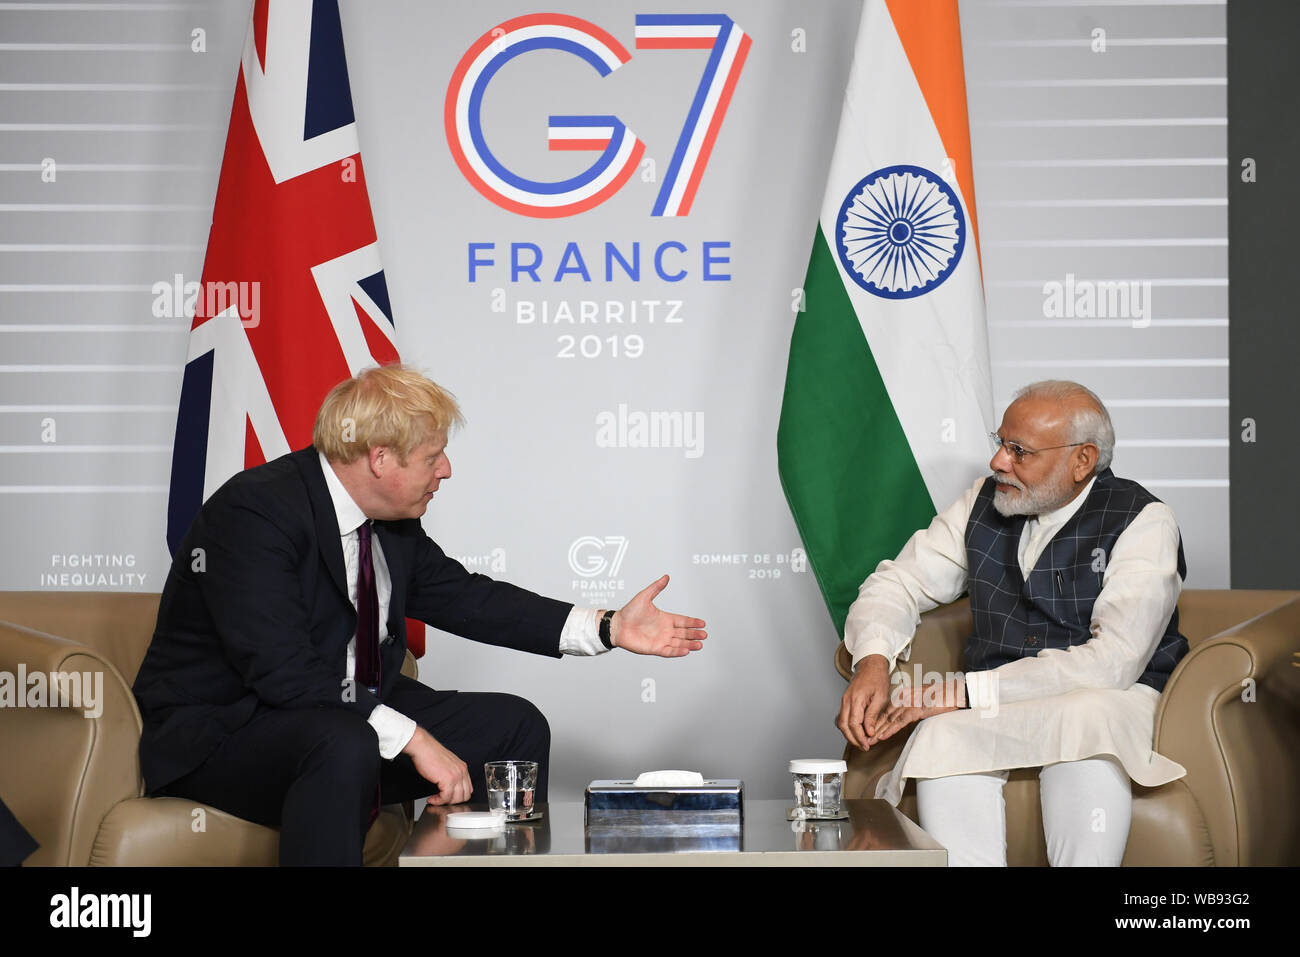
1047,496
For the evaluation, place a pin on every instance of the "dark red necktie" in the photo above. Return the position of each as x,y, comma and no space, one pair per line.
368,670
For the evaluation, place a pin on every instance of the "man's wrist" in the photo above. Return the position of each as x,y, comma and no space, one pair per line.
873,660
414,741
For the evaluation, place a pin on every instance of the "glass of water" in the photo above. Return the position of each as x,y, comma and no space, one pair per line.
511,786
818,786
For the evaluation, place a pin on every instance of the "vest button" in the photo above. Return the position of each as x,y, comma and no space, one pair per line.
1031,640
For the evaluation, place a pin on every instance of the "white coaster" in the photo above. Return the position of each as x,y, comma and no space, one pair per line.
475,819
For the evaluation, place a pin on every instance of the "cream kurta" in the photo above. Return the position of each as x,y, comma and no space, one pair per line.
1061,705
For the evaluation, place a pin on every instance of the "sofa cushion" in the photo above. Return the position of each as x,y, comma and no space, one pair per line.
168,831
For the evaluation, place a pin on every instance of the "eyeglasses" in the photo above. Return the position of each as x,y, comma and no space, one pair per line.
1018,452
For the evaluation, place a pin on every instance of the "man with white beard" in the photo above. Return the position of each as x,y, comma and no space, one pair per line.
1074,577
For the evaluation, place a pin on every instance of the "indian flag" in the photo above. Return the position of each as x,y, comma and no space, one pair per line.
887,394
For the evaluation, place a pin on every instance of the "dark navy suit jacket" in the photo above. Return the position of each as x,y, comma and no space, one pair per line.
256,614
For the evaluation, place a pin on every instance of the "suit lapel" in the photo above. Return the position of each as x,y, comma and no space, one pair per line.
328,537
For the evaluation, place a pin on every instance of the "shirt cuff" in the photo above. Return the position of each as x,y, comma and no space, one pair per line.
394,729
981,689
581,633
881,641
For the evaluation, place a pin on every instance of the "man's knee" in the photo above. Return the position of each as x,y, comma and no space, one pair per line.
1087,810
532,732
346,747
966,813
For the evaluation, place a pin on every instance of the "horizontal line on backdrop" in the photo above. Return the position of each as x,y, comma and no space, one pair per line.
1182,483
1126,161
174,326
1103,3
90,368
91,47
1166,403
104,87
104,127
1116,121
1110,363
77,489
1101,203
103,208
1149,403
110,7
73,287
1112,42
1039,283
80,449
110,168
1171,443
98,247
1102,243
1108,82
1100,323
88,408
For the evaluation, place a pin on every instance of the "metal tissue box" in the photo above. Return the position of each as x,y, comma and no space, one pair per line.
623,817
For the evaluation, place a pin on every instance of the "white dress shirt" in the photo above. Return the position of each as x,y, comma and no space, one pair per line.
579,636
1060,705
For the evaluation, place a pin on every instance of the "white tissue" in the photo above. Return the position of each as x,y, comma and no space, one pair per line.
668,779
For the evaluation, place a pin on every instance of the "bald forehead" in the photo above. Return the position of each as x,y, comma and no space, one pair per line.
1036,421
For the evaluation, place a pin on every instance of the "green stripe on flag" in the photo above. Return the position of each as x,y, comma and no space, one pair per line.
845,464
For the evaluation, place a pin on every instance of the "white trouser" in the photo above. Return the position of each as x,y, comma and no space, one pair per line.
1087,806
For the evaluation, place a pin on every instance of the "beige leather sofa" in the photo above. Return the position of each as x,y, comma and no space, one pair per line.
1240,801
74,781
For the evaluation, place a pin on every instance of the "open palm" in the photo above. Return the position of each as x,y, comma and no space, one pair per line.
642,628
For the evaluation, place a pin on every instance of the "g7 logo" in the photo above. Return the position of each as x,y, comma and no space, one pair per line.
590,556
620,149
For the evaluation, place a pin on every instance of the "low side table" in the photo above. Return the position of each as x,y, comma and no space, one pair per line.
875,835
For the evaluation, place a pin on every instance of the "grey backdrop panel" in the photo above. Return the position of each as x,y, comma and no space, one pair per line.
1265,389
1091,165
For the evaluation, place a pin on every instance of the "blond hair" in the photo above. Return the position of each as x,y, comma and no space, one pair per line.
391,405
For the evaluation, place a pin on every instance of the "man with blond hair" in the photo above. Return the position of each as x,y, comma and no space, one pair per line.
1074,577
272,687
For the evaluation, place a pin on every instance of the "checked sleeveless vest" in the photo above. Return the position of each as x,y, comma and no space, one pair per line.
1017,617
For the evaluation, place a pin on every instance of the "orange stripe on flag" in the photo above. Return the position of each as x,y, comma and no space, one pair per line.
931,37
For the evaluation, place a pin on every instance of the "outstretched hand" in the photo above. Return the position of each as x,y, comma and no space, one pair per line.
642,628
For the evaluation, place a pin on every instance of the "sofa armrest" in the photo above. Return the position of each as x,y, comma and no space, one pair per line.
71,758
116,624
1230,714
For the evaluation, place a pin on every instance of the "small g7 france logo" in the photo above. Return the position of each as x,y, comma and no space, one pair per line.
900,232
619,148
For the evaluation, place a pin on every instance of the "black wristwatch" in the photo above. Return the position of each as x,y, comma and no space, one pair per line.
605,638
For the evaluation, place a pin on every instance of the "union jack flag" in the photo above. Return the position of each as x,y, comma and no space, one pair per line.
293,297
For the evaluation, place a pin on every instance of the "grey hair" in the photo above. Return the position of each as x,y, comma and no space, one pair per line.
1086,424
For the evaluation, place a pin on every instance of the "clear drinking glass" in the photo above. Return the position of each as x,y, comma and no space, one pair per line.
818,785
511,786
